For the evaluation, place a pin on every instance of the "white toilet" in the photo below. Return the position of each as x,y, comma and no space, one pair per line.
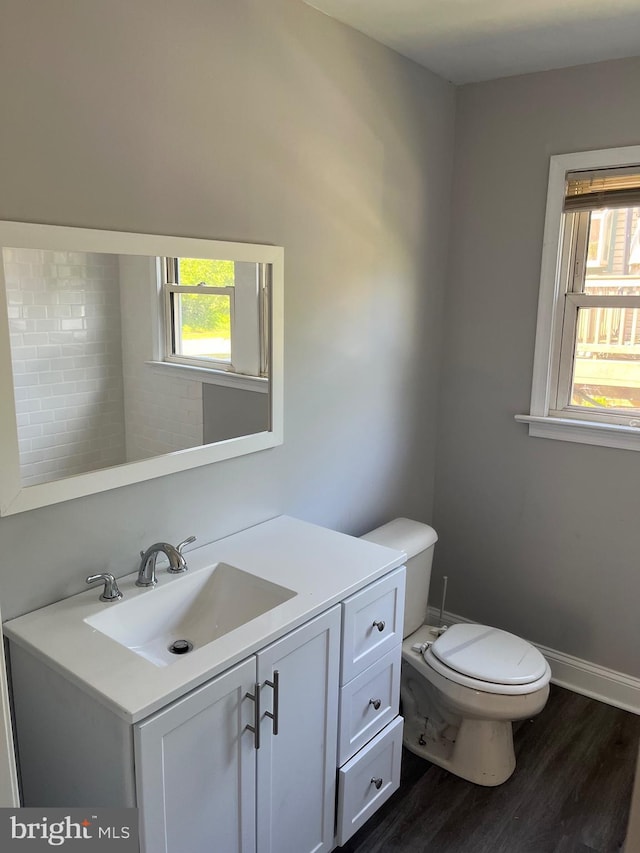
461,689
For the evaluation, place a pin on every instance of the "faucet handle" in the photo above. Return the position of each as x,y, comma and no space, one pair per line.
178,566
110,591
187,541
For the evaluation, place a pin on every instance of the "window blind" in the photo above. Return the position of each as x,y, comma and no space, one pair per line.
600,188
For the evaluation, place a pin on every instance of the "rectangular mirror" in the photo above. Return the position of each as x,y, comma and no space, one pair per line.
125,357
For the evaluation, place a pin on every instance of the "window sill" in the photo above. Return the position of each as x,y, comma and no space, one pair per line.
583,432
258,384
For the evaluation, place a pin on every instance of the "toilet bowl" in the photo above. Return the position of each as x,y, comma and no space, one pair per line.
458,720
461,689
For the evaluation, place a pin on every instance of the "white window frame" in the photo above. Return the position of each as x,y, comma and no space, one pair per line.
550,417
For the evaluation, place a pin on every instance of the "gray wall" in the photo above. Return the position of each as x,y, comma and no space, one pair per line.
230,412
259,121
537,536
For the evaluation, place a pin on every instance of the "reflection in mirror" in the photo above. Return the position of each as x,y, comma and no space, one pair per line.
118,357
86,397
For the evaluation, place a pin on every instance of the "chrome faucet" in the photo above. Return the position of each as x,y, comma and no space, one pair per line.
110,591
177,563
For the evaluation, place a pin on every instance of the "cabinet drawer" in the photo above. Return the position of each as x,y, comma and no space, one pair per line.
368,780
368,702
372,623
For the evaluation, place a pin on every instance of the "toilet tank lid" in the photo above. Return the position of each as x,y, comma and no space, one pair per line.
403,534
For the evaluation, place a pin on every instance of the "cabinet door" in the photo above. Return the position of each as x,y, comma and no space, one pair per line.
297,767
195,770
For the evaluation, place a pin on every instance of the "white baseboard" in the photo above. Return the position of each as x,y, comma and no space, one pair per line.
581,676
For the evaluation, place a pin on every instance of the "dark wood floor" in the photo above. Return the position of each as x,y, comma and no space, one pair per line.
569,794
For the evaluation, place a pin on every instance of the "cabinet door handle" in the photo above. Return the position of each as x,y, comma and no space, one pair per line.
275,685
379,624
377,782
376,703
255,728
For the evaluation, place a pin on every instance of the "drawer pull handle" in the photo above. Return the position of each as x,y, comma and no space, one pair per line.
376,703
379,625
275,686
377,782
255,728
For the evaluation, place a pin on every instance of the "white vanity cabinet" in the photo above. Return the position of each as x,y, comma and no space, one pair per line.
280,736
200,779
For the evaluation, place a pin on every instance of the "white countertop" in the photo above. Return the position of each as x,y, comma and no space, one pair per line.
322,566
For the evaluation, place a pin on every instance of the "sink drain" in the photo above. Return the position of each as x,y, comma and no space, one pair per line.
180,647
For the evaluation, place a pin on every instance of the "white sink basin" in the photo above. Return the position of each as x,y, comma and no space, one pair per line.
198,608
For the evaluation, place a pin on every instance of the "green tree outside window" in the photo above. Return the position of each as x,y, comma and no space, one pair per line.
210,316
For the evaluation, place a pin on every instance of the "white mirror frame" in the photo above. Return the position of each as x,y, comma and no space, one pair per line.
15,498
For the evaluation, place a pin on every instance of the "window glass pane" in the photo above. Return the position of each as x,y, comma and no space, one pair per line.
193,271
202,326
613,252
606,370
599,230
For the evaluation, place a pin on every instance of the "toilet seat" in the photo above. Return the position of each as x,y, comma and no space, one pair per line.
489,654
428,661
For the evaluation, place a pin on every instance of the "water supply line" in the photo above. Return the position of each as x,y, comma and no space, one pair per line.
441,628
445,580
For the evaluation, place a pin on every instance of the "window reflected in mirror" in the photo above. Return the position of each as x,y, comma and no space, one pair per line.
215,314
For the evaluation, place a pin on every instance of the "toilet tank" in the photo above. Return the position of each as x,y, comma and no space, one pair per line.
417,540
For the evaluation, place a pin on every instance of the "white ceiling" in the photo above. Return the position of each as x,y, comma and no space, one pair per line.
471,40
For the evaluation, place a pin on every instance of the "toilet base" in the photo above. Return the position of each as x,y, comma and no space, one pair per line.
480,751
